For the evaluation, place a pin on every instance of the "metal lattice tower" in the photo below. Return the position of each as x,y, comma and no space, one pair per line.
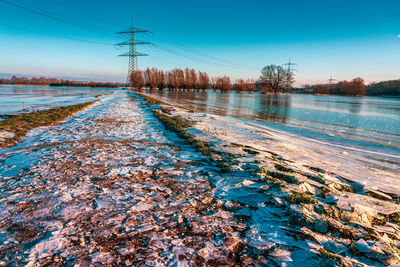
132,54
330,80
290,64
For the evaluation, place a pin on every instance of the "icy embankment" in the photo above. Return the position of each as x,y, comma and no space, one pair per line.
300,206
112,186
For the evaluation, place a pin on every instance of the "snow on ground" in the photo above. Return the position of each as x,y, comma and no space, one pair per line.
111,186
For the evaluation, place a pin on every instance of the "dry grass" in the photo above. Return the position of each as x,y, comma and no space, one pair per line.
22,124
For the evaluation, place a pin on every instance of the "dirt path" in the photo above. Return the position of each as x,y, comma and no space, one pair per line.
111,186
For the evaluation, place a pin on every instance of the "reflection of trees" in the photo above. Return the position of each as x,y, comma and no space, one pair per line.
273,108
351,119
20,91
214,103
221,102
185,98
355,107
237,109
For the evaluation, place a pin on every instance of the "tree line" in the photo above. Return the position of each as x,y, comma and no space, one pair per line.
384,88
355,87
55,82
186,79
273,79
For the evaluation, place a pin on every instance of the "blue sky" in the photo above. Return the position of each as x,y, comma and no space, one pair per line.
342,38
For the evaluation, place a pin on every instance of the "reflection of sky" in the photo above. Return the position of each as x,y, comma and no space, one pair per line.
366,117
14,99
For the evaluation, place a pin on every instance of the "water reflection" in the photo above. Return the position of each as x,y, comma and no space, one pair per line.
369,118
14,99
274,108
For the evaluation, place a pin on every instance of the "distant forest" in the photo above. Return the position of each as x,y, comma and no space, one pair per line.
355,87
55,82
384,88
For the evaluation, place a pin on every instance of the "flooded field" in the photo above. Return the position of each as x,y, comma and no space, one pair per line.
15,99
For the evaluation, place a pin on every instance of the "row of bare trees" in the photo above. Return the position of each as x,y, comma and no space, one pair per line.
187,79
355,87
174,79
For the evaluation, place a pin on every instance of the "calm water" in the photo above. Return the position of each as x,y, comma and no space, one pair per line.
14,99
367,122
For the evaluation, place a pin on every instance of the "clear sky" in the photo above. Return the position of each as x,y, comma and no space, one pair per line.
342,38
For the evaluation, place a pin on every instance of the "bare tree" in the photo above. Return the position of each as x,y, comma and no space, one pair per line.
136,79
180,78
160,79
357,87
322,89
223,83
250,85
214,83
275,79
240,85
203,81
190,78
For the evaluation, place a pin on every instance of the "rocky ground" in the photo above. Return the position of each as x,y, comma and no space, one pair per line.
111,186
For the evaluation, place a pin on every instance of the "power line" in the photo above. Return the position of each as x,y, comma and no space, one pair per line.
194,59
209,59
93,28
82,10
165,60
90,11
204,55
54,35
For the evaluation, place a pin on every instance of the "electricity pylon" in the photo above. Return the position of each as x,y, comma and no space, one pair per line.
330,80
132,54
290,64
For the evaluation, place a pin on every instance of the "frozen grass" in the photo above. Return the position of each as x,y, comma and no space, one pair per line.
153,101
298,198
179,125
20,125
329,255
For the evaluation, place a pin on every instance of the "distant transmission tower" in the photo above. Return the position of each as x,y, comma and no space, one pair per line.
290,64
132,54
330,80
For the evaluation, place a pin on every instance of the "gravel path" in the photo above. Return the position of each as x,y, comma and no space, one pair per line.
111,186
